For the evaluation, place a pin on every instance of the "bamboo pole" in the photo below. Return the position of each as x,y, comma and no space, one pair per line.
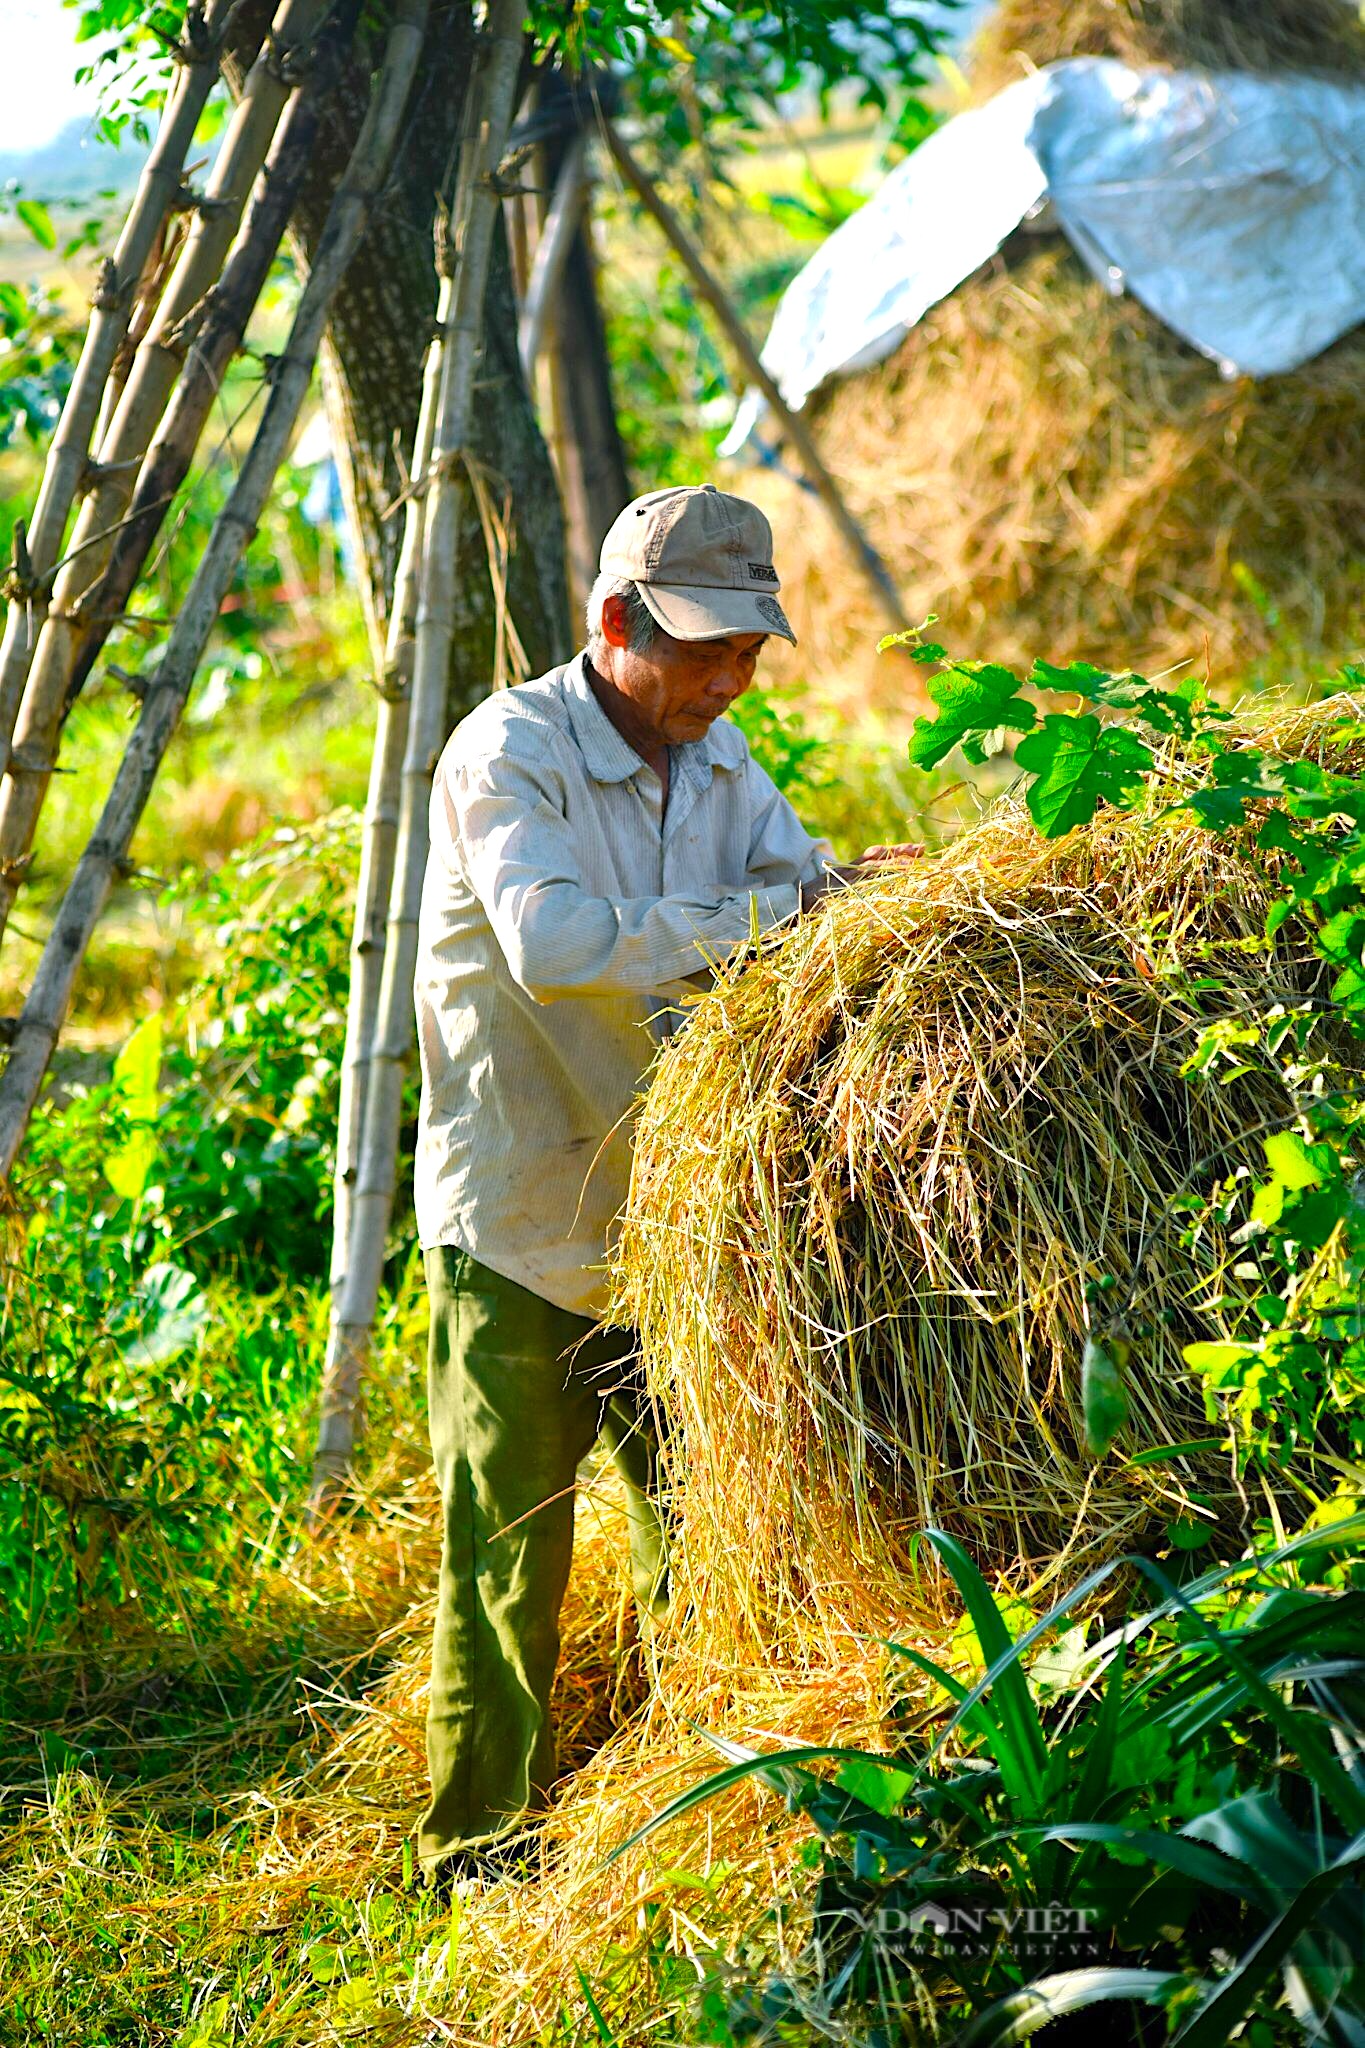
552,251
491,96
380,829
869,562
208,357
156,274
68,630
105,857
111,307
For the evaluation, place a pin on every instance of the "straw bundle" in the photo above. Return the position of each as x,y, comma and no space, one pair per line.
1213,35
872,1182
1051,470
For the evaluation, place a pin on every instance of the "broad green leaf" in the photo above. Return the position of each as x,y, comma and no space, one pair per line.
1339,938
1059,1666
878,1785
1348,990
356,1993
1277,914
135,1076
974,698
1081,676
1216,1357
38,221
166,1315
1188,1532
1164,710
322,1960
1077,765
1104,1398
1289,1160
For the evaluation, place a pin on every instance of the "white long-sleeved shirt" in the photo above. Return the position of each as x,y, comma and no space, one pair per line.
563,906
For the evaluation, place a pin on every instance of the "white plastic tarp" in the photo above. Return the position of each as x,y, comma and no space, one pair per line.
1232,206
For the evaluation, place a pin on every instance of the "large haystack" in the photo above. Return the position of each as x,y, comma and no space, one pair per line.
1053,471
1267,36
872,1183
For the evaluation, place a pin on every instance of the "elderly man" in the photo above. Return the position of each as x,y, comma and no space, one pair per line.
600,837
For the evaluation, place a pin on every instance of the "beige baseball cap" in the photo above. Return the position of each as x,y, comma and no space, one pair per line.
703,562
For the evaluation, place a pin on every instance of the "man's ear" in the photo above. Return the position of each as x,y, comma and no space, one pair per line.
615,622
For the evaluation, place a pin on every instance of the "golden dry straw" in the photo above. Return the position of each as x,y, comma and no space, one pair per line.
1269,36
873,1179
935,1105
1049,469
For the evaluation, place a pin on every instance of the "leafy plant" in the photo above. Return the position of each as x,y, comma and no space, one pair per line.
167,1254
1292,1377
1178,1817
782,742
38,344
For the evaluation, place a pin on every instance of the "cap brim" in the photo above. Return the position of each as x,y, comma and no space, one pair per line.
697,612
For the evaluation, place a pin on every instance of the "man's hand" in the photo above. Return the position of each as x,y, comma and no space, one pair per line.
839,877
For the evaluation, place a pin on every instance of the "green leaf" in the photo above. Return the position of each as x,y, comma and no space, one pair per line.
1162,1454
1102,1746
1292,1169
1208,1866
1077,764
1232,1998
878,1785
167,1314
1019,1748
1058,1667
1022,2013
1277,914
1216,1357
974,697
1081,676
38,221
1289,1160
1188,1532
1258,1832
1104,1398
777,1770
322,1960
136,1073
604,2033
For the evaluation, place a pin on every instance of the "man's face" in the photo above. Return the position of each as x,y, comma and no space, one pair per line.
679,687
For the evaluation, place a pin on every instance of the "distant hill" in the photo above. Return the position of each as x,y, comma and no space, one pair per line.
74,165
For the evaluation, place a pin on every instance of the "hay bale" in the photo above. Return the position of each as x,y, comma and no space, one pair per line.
1268,36
872,1180
1052,471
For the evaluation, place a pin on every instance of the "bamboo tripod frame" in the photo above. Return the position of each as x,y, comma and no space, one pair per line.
164,692
142,393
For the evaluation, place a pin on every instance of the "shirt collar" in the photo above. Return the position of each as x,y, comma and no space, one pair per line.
610,758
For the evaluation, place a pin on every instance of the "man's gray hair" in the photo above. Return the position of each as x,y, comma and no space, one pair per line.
641,623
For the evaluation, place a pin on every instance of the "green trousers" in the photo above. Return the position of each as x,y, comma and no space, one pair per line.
512,1414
